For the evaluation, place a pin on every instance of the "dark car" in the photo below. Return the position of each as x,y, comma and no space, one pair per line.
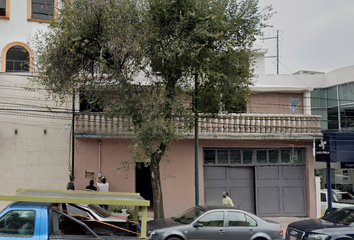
214,222
335,225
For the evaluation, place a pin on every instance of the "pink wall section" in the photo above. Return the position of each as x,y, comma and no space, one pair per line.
112,153
177,173
177,168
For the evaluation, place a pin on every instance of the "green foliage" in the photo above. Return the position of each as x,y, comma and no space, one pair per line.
118,209
138,59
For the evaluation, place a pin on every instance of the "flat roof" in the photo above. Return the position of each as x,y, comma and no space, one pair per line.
85,197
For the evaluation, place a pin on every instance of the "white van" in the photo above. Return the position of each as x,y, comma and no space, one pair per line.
335,203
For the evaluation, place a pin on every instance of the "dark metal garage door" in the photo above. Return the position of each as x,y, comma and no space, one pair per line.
237,181
280,190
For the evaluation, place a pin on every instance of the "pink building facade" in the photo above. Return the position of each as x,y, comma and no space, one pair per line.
263,158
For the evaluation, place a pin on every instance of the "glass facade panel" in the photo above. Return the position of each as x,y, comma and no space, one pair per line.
209,156
262,156
285,156
318,98
332,96
346,93
347,116
247,156
235,157
273,156
223,156
332,115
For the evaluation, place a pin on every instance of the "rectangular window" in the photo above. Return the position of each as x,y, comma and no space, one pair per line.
235,157
298,156
273,156
285,156
209,156
247,156
42,9
223,156
2,8
18,223
5,9
262,156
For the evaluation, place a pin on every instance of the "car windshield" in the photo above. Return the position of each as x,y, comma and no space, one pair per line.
99,211
188,216
343,216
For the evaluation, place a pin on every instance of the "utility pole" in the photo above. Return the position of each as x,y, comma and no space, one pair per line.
196,140
277,56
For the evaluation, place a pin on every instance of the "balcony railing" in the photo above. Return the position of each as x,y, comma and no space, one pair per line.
224,126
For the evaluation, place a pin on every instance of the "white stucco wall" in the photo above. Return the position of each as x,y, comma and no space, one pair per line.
31,158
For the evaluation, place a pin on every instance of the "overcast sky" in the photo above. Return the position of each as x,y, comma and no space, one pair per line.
315,35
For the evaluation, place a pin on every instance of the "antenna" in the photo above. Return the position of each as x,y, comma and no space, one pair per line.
277,56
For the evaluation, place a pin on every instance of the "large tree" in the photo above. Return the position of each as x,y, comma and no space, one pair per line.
100,46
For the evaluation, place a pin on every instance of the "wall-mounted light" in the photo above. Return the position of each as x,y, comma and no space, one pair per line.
45,131
15,131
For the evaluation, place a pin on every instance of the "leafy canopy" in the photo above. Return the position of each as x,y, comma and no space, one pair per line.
140,58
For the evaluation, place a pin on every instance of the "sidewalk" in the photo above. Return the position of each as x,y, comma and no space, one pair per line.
285,221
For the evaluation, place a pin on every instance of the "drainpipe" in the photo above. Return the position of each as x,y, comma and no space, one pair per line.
73,138
99,157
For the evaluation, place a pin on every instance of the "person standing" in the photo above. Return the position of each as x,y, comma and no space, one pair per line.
91,187
70,185
227,201
103,186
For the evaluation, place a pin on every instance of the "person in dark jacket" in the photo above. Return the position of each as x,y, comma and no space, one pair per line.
70,185
91,187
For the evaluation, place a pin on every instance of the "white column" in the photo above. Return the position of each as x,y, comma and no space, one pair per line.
307,103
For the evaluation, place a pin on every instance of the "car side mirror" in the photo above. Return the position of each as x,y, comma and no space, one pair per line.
198,225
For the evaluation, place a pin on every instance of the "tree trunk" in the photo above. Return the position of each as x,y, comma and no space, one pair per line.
156,184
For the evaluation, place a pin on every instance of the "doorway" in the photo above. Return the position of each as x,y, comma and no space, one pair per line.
143,182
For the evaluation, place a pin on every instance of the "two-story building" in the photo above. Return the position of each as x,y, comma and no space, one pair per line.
263,157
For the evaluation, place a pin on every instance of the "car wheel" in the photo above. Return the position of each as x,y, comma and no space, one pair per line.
173,238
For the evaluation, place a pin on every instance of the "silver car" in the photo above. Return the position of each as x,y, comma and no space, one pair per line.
214,222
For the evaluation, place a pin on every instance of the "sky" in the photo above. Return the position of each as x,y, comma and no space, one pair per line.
316,35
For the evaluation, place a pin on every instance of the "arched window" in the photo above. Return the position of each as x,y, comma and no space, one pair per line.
17,59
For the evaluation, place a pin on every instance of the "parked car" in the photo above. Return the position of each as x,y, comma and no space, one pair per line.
335,225
95,212
214,222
